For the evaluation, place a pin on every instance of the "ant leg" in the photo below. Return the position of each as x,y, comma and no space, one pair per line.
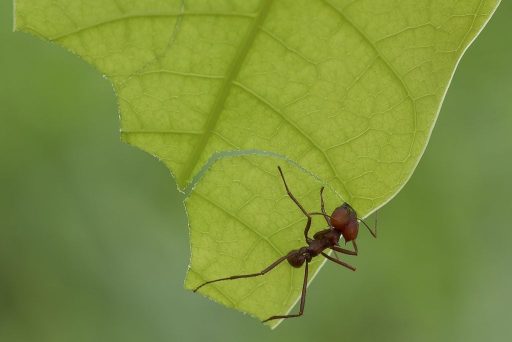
346,251
336,255
269,268
306,230
302,299
308,224
322,205
339,262
327,217
374,231
291,195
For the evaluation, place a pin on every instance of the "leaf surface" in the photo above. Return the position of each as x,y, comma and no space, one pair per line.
350,90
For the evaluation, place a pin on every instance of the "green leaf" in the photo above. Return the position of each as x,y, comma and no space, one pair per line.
350,90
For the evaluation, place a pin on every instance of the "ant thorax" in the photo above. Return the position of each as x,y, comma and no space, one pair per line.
323,240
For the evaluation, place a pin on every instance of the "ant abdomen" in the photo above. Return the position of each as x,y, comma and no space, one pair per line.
297,257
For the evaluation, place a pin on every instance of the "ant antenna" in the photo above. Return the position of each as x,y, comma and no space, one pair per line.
321,214
374,231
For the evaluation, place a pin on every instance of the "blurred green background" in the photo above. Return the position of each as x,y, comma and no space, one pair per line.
94,240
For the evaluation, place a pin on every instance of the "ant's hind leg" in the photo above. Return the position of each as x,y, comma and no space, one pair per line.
269,268
302,299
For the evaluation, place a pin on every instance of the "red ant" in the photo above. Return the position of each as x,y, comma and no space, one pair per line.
342,222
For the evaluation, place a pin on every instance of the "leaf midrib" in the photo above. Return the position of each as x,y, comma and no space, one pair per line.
224,90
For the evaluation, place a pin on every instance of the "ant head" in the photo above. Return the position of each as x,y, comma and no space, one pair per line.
344,220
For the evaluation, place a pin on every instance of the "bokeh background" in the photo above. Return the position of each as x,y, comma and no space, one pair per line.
94,240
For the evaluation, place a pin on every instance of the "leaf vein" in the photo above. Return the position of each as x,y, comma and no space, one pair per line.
147,15
390,67
235,217
291,123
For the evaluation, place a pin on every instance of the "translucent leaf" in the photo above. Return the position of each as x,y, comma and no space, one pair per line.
350,90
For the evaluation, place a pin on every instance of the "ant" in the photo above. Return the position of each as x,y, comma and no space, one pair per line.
342,222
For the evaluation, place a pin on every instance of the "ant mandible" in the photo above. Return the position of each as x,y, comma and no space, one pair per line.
342,222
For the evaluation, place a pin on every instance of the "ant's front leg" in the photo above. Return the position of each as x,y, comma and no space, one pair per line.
308,224
322,206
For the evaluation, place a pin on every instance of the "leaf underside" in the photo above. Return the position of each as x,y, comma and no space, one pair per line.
349,90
